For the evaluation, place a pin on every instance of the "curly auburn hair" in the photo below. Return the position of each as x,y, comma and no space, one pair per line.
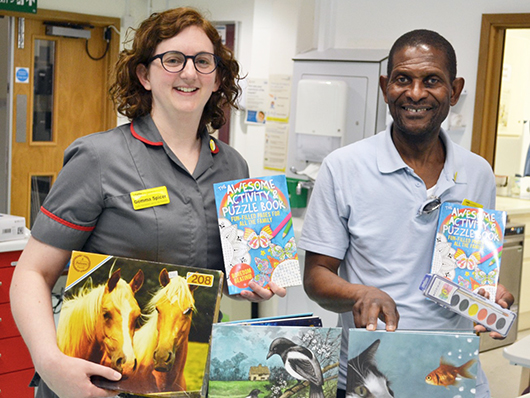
133,100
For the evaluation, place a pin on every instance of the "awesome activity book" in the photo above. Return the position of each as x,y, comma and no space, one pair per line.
439,364
256,232
274,361
468,248
150,321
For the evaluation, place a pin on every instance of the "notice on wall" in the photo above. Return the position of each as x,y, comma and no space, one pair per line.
268,103
276,139
279,98
257,101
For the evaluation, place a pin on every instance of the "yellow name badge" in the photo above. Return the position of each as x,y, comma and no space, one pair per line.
149,198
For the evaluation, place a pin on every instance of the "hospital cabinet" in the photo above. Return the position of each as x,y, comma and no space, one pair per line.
16,367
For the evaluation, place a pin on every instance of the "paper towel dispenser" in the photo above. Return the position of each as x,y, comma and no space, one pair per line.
320,118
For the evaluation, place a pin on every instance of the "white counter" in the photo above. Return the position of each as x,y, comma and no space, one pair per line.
13,245
513,206
519,354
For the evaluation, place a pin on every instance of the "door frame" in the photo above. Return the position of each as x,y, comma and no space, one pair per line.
489,73
109,116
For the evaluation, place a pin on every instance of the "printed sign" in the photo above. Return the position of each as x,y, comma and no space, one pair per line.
21,74
28,6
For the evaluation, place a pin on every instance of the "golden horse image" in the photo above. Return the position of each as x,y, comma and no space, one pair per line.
98,323
161,344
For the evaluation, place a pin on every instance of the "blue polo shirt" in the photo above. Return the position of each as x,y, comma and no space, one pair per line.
364,210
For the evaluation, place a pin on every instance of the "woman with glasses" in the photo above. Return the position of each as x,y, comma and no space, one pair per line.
172,84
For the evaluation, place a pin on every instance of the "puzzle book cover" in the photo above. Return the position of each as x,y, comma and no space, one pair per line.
468,248
257,237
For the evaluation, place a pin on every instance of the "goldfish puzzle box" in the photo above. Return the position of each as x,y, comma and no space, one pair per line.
150,321
274,361
438,364
468,247
257,237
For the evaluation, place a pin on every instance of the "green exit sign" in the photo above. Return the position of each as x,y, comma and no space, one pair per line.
29,6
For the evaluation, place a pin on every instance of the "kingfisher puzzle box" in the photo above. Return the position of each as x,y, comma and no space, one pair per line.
257,237
468,247
150,321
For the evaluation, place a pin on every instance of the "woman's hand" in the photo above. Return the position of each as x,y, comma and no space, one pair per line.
260,293
70,377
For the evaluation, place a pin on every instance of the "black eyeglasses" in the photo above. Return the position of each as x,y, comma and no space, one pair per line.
429,206
175,61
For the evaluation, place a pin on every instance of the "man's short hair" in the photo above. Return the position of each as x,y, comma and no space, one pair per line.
418,37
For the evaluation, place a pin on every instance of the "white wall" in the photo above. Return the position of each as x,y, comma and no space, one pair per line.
269,33
273,31
130,11
360,25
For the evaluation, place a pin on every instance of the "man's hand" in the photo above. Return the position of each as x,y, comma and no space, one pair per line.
505,299
372,304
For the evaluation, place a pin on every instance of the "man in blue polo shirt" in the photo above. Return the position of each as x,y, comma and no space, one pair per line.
370,227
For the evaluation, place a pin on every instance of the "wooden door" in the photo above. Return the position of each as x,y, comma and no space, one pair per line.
64,96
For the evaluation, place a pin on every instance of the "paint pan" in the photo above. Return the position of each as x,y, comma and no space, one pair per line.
468,304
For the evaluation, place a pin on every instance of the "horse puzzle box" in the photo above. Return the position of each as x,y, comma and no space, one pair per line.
257,237
274,361
162,348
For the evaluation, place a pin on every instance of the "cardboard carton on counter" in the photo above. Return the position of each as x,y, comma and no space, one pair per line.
12,227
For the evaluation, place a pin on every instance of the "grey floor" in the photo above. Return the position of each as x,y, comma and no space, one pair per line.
503,377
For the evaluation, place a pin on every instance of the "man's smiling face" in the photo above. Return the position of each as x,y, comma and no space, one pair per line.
419,90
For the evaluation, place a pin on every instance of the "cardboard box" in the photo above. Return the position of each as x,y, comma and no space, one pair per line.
12,227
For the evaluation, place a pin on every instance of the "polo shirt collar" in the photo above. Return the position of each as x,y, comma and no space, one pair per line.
453,170
388,158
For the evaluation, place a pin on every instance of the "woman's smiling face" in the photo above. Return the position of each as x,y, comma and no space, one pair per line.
184,93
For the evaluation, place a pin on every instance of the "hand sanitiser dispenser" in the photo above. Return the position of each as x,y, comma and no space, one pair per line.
320,118
335,101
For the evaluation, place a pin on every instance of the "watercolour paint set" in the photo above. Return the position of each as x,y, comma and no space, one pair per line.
468,304
257,238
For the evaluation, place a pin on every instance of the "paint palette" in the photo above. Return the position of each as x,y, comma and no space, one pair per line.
468,304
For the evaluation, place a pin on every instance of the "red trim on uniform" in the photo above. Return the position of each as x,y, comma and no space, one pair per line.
64,222
144,140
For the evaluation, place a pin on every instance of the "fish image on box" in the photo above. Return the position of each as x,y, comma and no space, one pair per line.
447,375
